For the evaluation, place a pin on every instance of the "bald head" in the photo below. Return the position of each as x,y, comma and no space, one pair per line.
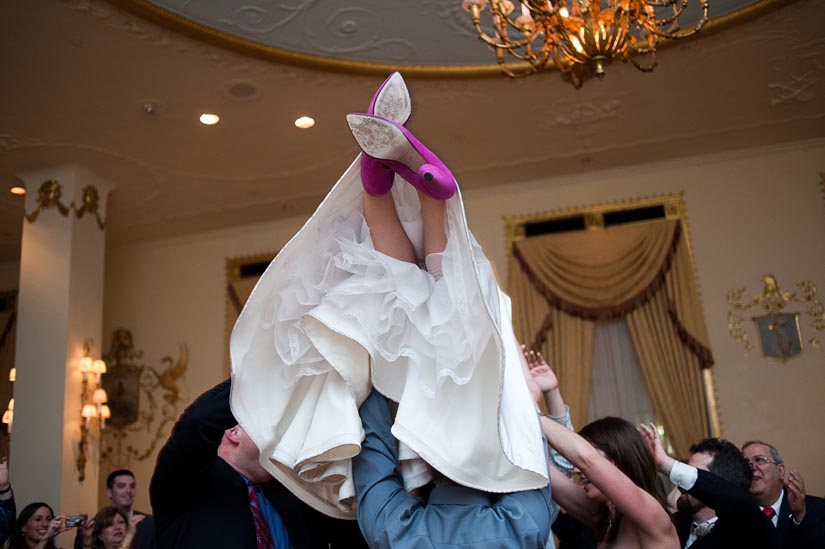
240,452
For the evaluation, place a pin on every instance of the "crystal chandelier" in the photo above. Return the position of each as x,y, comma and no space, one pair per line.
580,37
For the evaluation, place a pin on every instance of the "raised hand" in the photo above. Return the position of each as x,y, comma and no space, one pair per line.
540,370
4,473
87,530
795,488
56,527
650,434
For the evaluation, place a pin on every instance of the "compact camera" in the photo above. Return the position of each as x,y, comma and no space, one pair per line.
74,520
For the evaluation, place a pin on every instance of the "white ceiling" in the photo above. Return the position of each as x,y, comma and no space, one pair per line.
76,74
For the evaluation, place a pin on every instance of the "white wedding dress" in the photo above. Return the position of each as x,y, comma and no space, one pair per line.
331,318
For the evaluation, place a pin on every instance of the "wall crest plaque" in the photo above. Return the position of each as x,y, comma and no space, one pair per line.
141,399
779,330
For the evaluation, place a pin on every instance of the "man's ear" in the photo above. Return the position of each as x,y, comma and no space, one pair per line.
781,467
233,435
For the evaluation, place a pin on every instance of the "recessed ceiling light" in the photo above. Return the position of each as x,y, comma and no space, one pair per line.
210,119
18,190
305,122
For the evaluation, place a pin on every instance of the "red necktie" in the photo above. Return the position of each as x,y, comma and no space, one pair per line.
261,527
769,512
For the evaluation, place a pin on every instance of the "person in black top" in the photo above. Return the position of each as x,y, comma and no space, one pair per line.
200,489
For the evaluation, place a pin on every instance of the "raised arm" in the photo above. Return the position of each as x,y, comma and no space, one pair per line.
382,502
8,510
546,380
649,517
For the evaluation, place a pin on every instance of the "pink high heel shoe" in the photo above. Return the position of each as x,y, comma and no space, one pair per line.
392,144
391,101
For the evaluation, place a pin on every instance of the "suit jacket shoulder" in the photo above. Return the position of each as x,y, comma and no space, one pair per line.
740,521
810,533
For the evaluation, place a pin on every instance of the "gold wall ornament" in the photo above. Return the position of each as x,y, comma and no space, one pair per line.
49,194
143,401
90,202
778,329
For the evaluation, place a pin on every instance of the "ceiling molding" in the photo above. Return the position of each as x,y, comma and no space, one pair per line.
178,23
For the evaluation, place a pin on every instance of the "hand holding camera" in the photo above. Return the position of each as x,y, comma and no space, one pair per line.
74,520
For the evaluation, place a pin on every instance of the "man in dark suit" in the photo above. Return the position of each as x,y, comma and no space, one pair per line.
799,518
209,490
714,509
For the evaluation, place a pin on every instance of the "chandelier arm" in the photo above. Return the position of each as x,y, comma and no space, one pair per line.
521,57
654,24
490,41
648,68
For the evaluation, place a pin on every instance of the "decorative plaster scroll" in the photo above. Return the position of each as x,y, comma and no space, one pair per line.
254,19
9,143
49,194
357,30
581,113
90,200
795,89
454,16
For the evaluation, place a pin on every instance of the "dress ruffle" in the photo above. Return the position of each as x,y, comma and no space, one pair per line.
331,317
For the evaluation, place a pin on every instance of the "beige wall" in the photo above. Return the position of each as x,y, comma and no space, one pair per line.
749,213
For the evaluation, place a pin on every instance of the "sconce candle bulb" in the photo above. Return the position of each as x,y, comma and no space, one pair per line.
92,399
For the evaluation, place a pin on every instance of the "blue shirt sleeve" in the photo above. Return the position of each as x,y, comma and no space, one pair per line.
455,515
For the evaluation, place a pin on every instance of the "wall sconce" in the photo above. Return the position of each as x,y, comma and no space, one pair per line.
93,401
8,415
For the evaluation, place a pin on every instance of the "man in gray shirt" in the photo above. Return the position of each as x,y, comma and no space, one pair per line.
453,516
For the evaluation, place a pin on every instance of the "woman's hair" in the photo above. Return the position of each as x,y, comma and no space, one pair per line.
104,519
623,445
17,540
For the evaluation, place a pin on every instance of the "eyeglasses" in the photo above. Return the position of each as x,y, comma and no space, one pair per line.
761,460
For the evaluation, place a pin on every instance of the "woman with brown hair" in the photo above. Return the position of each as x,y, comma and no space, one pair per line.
36,527
110,529
618,495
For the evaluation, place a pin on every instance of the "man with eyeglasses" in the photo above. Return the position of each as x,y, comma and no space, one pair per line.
799,519
714,510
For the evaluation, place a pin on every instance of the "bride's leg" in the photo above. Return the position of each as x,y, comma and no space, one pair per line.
388,235
435,237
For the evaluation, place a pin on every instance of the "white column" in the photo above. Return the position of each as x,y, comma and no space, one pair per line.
60,305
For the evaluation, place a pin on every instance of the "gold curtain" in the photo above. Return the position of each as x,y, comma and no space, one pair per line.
561,284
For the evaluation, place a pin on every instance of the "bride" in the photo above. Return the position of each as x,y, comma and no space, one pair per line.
385,287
